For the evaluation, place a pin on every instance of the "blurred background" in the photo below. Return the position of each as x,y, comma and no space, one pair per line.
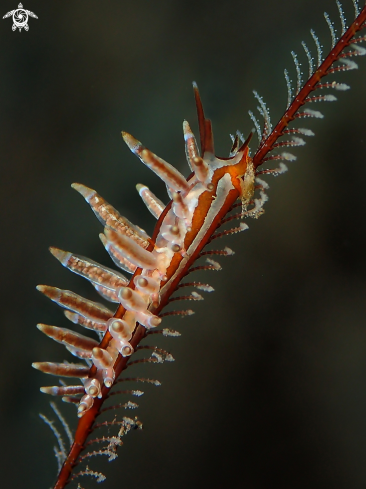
268,386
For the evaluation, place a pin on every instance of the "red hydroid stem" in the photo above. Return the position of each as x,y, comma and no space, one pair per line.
309,86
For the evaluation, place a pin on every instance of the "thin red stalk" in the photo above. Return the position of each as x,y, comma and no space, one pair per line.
309,86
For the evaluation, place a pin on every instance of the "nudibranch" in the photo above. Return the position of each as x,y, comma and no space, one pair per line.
198,205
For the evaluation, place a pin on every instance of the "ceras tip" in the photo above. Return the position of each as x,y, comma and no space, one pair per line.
133,143
62,256
187,130
48,390
86,192
140,187
48,291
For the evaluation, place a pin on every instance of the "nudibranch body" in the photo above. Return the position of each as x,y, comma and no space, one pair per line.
198,205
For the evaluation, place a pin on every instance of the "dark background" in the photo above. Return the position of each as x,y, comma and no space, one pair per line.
268,387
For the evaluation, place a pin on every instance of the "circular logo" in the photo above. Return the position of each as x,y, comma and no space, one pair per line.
20,18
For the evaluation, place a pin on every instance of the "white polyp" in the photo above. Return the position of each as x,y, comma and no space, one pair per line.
243,226
119,329
147,319
350,65
259,203
361,51
313,113
205,287
92,387
264,197
262,183
298,141
131,300
229,251
288,156
214,263
329,98
305,132
148,285
85,404
340,86
197,296
137,393
282,169
170,332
